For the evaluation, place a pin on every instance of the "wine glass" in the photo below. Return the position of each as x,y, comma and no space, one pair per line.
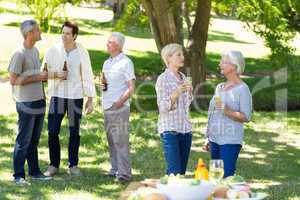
216,170
189,79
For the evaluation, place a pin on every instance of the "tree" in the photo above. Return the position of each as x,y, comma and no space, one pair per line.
224,7
118,8
43,10
167,27
276,21
134,16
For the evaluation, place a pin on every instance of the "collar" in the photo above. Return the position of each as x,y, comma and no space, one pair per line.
171,73
117,57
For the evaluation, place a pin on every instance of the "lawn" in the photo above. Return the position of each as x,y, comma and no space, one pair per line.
269,159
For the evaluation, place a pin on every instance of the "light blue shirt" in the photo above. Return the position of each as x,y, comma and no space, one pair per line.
222,129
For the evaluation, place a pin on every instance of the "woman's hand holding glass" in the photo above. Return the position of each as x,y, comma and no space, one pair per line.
182,88
219,105
188,82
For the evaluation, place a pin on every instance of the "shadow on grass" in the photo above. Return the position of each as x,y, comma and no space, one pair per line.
264,159
224,37
273,163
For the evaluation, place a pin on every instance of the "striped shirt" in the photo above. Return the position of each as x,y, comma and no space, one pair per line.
174,118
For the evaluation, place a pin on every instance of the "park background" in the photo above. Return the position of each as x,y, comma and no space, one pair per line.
266,32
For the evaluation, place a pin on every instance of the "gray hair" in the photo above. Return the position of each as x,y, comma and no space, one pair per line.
169,50
236,58
27,26
119,37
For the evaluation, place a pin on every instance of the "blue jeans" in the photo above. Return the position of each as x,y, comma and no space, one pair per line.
228,153
30,125
57,110
177,148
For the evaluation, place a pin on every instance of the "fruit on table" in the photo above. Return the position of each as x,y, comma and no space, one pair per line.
194,182
164,179
234,179
235,194
221,191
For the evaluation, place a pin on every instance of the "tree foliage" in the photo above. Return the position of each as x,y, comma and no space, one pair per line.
276,21
134,16
167,19
225,7
43,10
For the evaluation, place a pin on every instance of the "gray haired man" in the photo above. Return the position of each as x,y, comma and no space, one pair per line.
118,71
26,80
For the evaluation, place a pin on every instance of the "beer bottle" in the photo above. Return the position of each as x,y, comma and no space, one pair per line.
45,68
103,81
65,68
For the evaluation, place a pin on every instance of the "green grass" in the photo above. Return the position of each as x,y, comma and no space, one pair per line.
269,159
223,36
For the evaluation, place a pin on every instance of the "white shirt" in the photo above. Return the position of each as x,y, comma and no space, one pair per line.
80,80
117,71
71,88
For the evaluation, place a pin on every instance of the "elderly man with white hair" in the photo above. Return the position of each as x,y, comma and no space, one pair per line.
118,71
27,88
229,109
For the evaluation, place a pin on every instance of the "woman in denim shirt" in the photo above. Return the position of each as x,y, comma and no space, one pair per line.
229,109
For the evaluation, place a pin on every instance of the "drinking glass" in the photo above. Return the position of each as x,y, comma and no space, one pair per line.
189,80
216,170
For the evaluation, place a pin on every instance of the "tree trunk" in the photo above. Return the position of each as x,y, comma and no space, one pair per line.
118,9
195,50
167,25
165,20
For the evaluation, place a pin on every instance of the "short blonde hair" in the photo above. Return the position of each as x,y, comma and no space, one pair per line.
236,58
169,50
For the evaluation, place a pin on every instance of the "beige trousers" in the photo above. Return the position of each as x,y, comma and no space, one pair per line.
116,126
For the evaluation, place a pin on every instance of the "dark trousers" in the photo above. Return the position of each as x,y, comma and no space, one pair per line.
30,125
57,109
228,153
177,148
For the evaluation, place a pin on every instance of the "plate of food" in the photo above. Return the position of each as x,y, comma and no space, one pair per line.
236,188
253,196
179,188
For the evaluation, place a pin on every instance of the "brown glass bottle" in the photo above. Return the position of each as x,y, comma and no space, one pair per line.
103,82
45,67
65,68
